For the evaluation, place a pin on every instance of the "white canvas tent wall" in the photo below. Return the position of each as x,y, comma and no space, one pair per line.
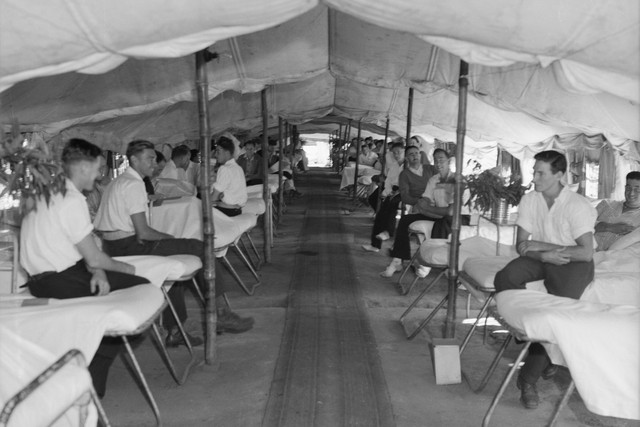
538,68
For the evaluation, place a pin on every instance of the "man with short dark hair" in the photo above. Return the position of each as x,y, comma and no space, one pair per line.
122,219
618,218
555,243
58,250
251,163
229,191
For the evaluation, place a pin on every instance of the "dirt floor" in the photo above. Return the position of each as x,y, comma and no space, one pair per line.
233,391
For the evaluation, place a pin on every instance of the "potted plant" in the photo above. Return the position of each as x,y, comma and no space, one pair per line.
491,192
28,172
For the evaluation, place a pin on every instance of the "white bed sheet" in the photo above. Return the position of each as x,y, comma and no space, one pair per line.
598,343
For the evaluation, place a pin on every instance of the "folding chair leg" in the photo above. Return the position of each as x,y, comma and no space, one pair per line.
236,276
253,247
484,308
405,269
102,415
198,291
426,321
563,403
492,368
505,383
419,297
242,255
192,360
143,381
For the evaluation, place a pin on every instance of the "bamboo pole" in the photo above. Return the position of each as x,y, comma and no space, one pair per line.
355,172
266,191
280,186
409,113
202,86
454,248
338,155
383,162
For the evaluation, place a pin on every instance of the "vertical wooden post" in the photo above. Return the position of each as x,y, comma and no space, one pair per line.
454,248
355,172
202,91
338,154
280,186
266,191
409,113
383,162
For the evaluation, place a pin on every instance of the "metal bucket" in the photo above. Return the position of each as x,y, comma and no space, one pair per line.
500,212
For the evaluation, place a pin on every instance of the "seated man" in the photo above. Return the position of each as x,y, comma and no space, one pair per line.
229,191
413,181
555,243
251,163
175,179
384,224
58,251
122,219
367,157
161,162
617,218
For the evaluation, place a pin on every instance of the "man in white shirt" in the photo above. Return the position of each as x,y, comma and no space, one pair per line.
229,192
122,219
555,243
58,251
178,169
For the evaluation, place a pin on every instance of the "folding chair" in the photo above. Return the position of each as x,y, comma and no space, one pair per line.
477,276
147,304
411,335
421,230
64,384
519,335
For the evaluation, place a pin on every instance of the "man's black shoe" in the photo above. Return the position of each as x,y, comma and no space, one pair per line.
174,339
528,394
232,323
550,371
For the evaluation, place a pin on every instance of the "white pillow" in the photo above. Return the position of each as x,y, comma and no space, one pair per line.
626,240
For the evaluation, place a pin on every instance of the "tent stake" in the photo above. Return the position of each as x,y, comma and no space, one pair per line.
202,86
266,192
454,248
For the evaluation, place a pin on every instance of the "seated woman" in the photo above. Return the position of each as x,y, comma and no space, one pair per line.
229,191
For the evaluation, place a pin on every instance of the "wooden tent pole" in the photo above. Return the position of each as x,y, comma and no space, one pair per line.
409,113
355,172
338,156
454,248
280,186
208,229
266,191
383,162
347,134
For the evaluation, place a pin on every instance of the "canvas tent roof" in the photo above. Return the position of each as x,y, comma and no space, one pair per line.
537,68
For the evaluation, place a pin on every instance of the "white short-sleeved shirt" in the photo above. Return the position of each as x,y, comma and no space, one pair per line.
231,182
125,196
171,171
392,173
440,191
49,234
570,216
